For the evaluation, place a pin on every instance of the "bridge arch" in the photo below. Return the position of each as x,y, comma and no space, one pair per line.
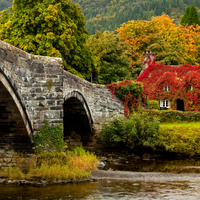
15,126
78,122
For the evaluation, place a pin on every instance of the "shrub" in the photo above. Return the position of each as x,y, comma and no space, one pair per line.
154,104
174,115
49,139
141,129
138,129
114,133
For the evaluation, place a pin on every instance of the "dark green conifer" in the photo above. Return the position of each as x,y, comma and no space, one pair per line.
190,17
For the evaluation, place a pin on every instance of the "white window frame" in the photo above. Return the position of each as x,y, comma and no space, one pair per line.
166,88
190,87
164,103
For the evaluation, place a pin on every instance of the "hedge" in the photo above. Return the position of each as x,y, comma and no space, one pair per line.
174,115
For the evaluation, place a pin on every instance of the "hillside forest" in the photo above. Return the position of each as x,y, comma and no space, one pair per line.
110,14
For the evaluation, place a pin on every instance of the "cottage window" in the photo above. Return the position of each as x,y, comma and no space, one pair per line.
165,104
190,87
166,88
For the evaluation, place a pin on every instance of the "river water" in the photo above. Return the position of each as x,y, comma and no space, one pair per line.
106,190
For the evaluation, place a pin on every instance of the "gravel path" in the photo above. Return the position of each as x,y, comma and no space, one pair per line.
145,176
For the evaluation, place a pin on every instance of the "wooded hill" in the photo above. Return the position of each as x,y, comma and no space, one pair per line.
110,14
4,4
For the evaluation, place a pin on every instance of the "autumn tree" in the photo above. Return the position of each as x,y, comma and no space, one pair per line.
141,34
50,28
110,53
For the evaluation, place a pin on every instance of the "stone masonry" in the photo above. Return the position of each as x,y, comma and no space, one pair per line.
148,59
26,101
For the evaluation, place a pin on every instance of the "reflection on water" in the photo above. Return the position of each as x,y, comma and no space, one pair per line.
106,189
155,165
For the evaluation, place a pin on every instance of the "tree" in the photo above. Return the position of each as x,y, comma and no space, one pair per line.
50,28
185,16
110,51
190,17
141,34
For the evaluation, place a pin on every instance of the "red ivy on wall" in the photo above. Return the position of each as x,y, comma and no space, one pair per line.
129,92
178,78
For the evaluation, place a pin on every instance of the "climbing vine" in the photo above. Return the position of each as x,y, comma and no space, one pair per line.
183,82
49,139
129,92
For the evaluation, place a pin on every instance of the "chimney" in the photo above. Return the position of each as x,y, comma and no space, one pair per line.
148,59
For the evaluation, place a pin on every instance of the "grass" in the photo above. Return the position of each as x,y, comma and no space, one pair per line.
74,164
180,124
13,173
179,137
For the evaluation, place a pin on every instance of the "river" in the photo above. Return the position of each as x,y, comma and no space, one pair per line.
105,189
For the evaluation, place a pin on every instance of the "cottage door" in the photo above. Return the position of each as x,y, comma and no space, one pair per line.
180,105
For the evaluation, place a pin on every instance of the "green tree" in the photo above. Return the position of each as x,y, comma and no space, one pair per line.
190,17
50,28
185,16
110,52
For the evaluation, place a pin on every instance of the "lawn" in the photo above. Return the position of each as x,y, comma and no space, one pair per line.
180,124
179,137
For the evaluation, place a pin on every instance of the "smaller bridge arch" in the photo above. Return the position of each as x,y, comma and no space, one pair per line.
78,122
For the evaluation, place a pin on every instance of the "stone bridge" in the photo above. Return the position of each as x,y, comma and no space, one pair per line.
27,100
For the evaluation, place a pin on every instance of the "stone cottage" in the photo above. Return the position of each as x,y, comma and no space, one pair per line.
175,87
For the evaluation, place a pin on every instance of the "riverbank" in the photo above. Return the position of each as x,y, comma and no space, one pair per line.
74,165
99,175
43,183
